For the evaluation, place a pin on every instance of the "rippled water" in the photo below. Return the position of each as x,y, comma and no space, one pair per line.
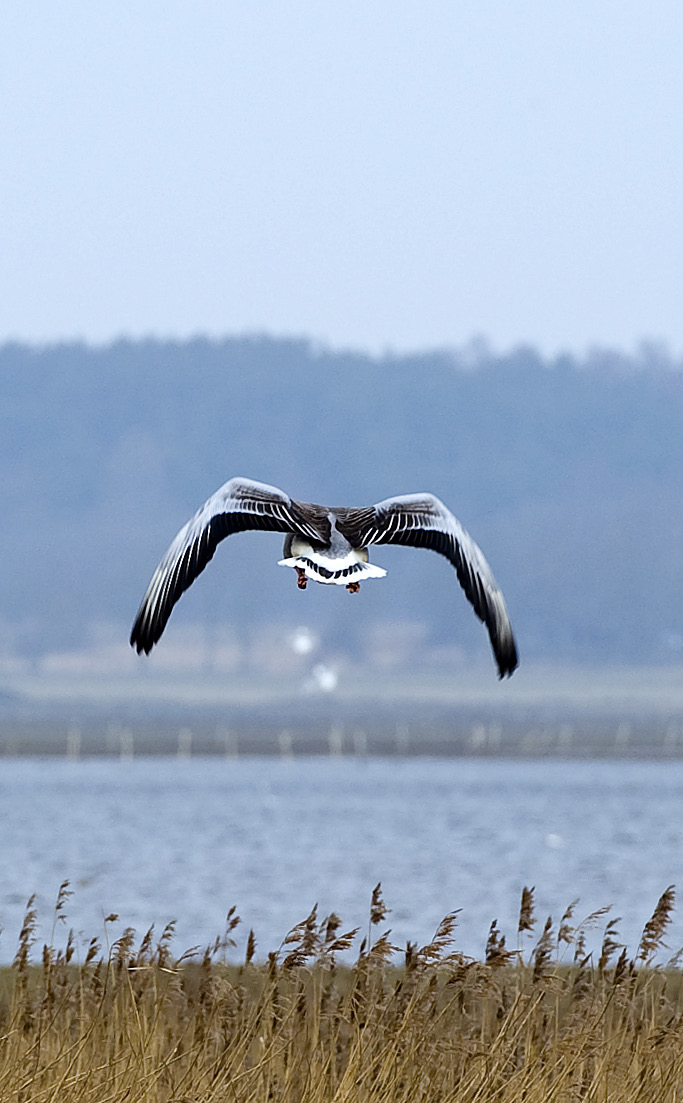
158,839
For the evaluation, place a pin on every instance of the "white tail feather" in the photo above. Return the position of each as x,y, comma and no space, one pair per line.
356,573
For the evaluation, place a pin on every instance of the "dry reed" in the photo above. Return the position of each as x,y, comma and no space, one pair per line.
549,1023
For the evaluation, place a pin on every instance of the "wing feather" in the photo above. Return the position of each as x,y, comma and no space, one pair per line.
423,521
238,505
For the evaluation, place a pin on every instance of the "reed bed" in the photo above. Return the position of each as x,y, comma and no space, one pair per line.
344,1016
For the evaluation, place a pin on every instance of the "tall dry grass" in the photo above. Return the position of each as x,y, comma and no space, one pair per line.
551,1023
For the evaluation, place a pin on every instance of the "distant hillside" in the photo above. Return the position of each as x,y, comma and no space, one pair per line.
569,474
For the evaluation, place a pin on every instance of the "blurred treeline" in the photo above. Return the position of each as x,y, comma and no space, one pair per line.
569,473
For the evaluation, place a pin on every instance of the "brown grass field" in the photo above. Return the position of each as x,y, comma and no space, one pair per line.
134,1023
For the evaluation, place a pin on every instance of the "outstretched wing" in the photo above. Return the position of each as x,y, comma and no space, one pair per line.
423,521
240,504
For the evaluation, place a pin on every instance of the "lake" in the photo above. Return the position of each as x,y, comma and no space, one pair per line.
158,838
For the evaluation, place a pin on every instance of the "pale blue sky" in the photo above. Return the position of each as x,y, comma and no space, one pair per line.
399,175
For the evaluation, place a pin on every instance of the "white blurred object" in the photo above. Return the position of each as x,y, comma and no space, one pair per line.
302,641
324,678
554,842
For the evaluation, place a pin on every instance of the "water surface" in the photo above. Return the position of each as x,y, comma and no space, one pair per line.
158,839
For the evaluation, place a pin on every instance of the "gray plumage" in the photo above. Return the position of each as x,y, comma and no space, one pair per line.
326,545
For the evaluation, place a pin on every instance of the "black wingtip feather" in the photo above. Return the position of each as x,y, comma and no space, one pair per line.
485,605
507,659
262,507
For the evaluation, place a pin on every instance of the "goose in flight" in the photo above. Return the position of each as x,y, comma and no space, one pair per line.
326,545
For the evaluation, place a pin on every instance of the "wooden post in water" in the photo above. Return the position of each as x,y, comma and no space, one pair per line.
73,742
336,741
185,743
478,737
229,741
285,743
402,738
564,738
360,742
623,735
126,748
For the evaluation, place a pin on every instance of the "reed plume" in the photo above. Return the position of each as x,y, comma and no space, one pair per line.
312,1023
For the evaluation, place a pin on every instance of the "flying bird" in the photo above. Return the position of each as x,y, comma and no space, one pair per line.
326,545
